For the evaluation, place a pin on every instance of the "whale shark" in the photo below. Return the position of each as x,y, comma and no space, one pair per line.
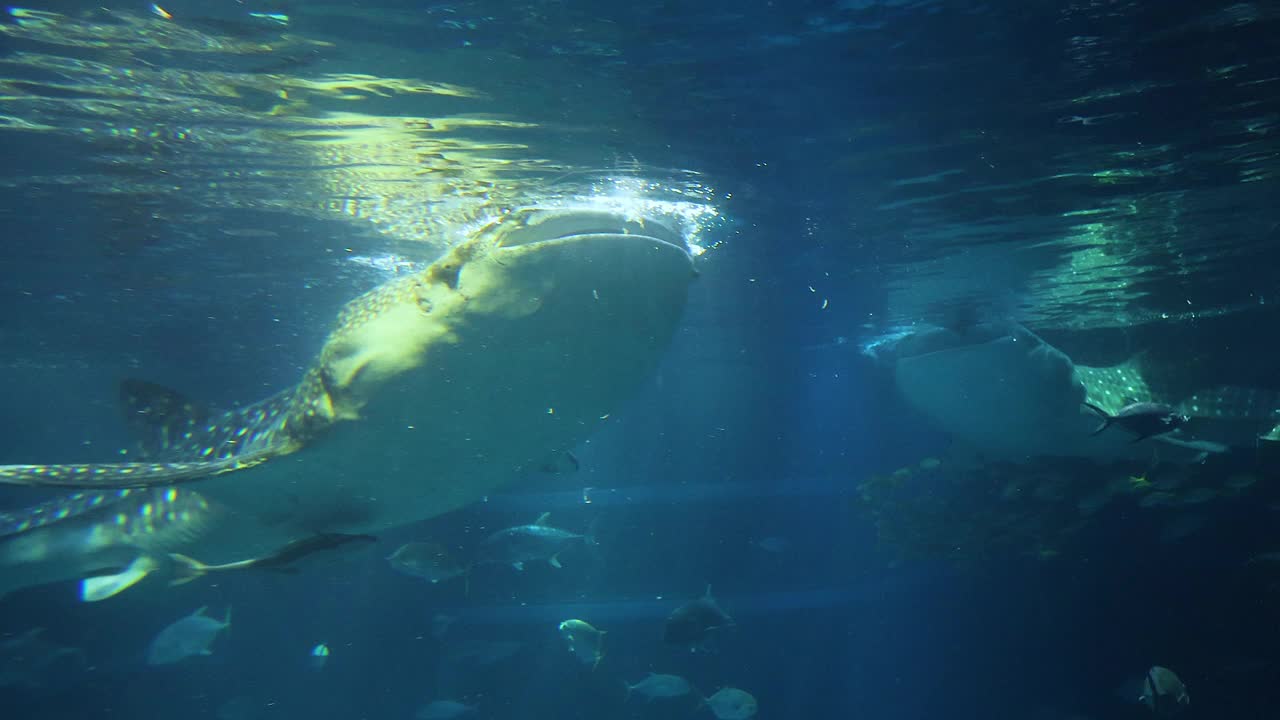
1004,393
111,540
430,392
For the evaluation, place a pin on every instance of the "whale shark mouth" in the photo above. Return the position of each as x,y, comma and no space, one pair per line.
531,226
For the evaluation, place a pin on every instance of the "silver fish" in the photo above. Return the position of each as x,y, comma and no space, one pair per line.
656,686
430,561
732,704
584,641
1163,692
186,637
517,545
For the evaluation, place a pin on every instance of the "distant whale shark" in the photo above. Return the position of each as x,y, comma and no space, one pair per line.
430,392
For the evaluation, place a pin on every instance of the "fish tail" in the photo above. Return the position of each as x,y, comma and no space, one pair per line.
187,568
1105,424
1106,417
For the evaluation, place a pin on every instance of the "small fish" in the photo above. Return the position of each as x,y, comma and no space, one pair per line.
444,710
427,560
515,546
188,636
585,642
1163,692
1143,419
319,656
660,686
692,624
732,704
279,561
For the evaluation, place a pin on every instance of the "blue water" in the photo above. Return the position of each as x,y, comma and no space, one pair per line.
1103,173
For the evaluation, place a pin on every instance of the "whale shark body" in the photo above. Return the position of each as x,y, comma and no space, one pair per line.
431,391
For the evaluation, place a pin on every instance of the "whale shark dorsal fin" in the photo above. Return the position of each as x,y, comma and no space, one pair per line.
159,416
132,474
543,519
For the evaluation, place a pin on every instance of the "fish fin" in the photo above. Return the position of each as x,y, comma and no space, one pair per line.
1106,417
561,462
707,595
101,587
518,565
226,620
130,474
543,519
159,415
555,561
200,611
188,569
1095,408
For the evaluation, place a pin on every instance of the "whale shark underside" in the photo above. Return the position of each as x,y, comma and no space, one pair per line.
431,391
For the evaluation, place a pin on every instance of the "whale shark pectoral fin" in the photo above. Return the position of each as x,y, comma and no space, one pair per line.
129,475
101,587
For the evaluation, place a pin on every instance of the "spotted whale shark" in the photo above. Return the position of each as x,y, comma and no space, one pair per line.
430,392
110,540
